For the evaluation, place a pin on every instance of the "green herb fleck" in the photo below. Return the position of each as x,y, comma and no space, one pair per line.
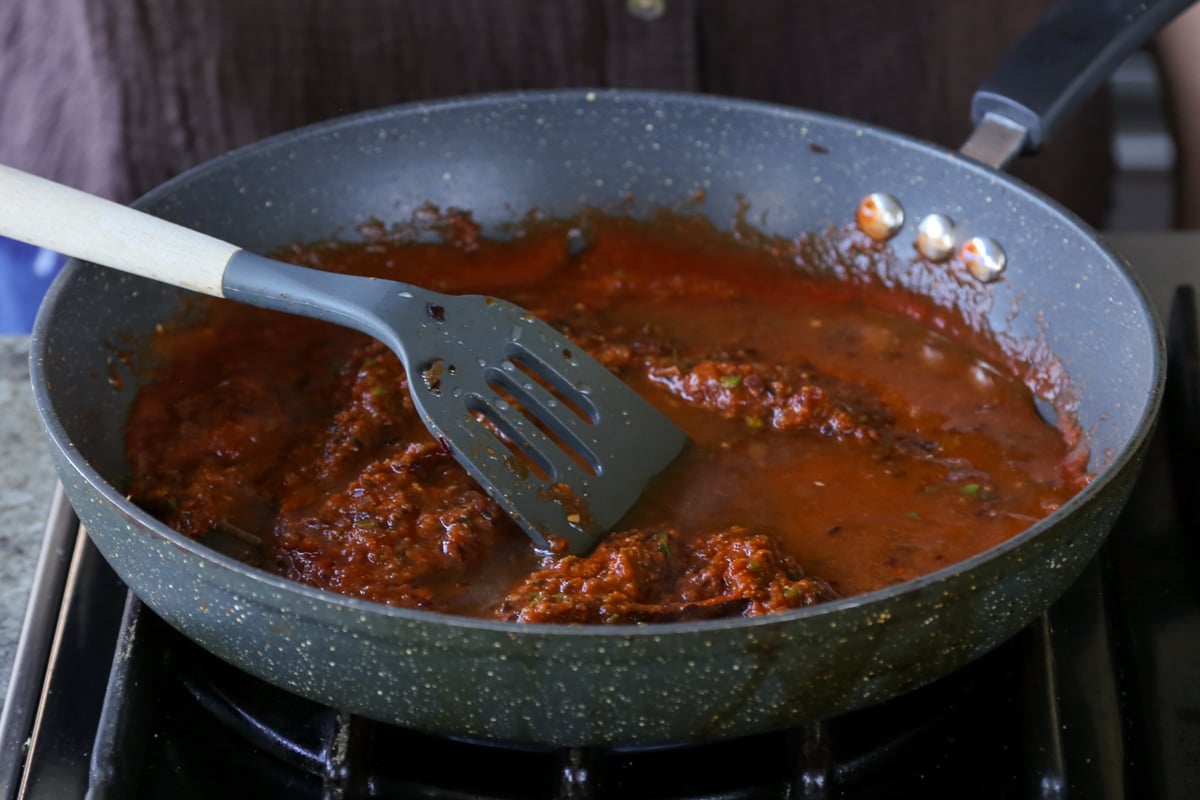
753,565
754,422
664,544
173,503
913,515
971,489
730,381
376,391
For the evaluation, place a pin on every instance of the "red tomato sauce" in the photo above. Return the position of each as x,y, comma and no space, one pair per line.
846,435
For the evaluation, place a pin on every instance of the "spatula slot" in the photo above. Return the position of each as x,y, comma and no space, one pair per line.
568,392
538,405
512,436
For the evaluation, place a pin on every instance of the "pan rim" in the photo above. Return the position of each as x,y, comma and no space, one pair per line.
324,601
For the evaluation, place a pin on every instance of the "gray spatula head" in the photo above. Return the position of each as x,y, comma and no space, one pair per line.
559,441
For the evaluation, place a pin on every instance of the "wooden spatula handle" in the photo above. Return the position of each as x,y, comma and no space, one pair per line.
47,214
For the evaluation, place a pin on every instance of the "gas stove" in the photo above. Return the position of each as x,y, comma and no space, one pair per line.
1098,698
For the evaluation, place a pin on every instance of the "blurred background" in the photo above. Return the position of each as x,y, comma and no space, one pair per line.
1143,150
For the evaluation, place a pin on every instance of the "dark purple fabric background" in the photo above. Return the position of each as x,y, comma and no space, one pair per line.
114,96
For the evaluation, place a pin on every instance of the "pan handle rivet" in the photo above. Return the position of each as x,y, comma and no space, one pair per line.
935,237
880,216
984,258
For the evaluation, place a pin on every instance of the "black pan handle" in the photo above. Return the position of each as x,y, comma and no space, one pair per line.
1064,60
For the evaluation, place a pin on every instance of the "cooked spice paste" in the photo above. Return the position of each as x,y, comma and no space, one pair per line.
841,441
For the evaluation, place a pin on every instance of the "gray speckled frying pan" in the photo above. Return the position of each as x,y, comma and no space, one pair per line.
560,152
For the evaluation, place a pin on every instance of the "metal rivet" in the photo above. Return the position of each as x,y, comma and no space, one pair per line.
880,216
984,258
646,9
935,237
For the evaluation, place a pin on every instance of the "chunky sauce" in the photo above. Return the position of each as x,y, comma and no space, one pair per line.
841,442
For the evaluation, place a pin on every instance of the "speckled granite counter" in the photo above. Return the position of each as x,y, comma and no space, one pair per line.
27,484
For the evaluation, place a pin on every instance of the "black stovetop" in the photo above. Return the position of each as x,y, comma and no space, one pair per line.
1099,698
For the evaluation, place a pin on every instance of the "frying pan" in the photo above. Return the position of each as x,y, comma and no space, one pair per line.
560,152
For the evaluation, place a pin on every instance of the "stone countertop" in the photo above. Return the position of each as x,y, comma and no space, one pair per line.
27,483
